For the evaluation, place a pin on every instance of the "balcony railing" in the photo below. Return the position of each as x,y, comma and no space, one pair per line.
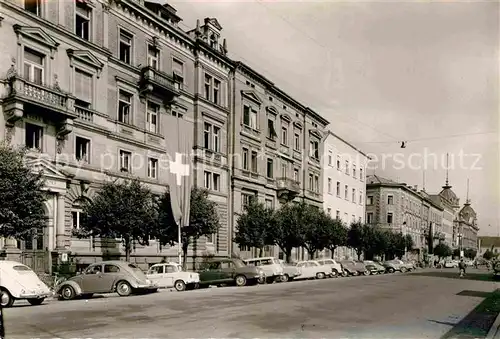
288,184
84,114
42,94
155,80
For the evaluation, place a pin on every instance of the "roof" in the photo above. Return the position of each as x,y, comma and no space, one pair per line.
467,214
345,142
489,241
375,179
448,194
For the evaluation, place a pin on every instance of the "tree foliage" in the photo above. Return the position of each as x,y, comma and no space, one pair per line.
442,250
356,238
254,225
336,235
470,253
21,195
488,254
120,209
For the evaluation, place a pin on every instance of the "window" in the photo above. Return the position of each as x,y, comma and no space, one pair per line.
125,161
284,170
216,92
296,174
33,6
33,66
82,151
271,131
124,107
208,180
152,117
314,149
82,20
34,136
111,269
208,85
153,168
330,158
354,171
338,163
361,174
353,218
311,182
316,183
284,135
329,211
369,200
247,198
269,202
329,185
178,70
346,167
337,214
216,138
216,181
390,200
354,195
76,215
125,47
210,238
338,188
207,132
249,117
212,181
270,165
346,190
389,218
296,143
153,57
245,158
360,197
254,161
177,114
83,87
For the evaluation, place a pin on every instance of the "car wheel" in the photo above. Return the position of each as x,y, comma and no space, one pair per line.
334,273
261,280
285,278
6,299
403,269
345,273
320,275
36,302
67,292
390,270
355,273
366,272
240,280
123,289
180,285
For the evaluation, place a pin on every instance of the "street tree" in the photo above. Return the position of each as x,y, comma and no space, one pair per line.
375,241
336,235
396,245
456,252
409,243
254,225
488,254
356,238
21,195
289,231
316,223
203,219
120,210
442,250
470,253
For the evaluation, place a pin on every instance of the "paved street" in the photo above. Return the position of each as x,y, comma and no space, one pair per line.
426,304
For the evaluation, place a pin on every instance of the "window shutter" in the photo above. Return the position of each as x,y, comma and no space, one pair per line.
83,86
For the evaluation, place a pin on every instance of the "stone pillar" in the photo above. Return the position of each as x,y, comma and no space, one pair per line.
10,250
60,226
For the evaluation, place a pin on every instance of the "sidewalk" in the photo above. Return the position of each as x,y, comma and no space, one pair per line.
494,332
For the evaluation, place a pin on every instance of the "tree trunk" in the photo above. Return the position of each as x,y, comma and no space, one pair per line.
288,254
261,252
185,246
127,250
359,254
332,250
311,254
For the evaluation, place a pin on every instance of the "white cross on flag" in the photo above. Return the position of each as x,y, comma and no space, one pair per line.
179,140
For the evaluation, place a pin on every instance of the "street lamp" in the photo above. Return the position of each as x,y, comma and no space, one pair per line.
404,234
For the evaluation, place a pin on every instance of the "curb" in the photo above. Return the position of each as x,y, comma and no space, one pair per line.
494,331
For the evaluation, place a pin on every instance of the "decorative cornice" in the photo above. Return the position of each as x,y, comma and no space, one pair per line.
252,96
85,57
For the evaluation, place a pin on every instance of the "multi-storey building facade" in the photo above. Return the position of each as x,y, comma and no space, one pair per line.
276,147
401,208
91,87
344,184
467,227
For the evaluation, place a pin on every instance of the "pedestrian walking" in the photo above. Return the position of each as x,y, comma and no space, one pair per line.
461,267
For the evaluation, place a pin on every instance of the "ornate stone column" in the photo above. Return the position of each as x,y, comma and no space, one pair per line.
60,227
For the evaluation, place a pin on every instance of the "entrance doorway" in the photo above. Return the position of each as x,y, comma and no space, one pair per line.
34,251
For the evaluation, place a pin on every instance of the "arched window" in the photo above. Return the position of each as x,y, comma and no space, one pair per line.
77,213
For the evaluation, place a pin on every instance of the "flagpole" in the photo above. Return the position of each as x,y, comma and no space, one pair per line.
179,241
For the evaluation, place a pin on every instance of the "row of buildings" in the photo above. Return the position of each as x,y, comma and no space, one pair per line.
94,87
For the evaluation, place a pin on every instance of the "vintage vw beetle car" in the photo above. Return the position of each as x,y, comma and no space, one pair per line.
18,282
170,274
121,277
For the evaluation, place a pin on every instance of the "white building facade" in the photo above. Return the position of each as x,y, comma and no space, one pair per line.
344,183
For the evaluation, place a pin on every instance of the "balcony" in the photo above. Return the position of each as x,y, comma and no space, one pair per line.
287,189
155,81
50,102
84,114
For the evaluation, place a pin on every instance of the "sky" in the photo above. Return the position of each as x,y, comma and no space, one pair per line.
384,72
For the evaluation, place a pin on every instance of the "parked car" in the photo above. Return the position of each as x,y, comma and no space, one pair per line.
167,275
407,264
107,277
349,267
229,271
496,268
312,269
335,266
451,264
19,282
392,266
290,272
273,271
373,267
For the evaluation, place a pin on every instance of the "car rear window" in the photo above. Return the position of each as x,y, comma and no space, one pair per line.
21,268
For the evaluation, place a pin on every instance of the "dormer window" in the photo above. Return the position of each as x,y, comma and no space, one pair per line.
213,41
33,6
